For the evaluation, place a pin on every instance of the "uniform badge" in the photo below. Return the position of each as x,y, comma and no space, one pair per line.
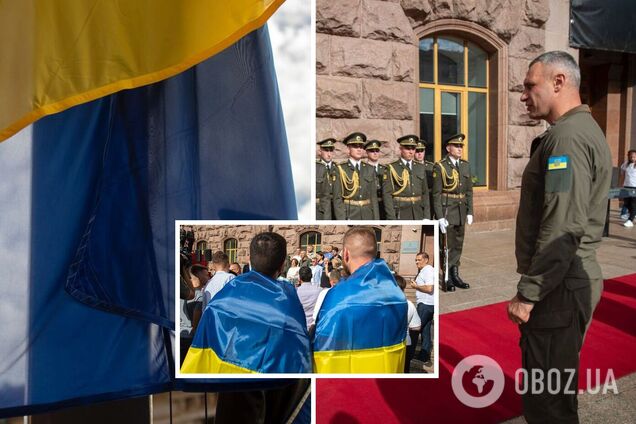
557,162
385,176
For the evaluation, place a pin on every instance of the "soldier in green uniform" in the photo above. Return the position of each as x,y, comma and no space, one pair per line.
325,170
373,155
355,193
453,203
559,227
404,188
420,156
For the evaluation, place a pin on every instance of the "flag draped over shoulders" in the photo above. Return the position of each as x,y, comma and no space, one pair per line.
361,325
253,325
134,134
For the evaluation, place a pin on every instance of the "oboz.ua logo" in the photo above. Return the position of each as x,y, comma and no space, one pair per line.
478,381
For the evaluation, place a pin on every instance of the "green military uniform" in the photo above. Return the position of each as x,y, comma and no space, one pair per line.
428,166
355,190
374,145
453,201
404,187
559,226
324,183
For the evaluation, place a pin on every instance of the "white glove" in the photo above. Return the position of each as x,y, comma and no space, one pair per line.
469,219
443,224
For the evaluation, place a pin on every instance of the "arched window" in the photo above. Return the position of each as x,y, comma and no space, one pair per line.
453,93
311,238
201,246
378,239
230,247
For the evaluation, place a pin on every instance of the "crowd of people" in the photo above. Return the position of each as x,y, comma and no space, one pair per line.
330,302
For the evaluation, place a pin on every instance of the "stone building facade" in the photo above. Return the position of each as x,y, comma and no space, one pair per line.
398,244
368,78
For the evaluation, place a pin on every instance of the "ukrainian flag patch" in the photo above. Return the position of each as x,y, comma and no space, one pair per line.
557,162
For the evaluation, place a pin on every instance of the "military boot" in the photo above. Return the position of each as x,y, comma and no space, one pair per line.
448,286
457,281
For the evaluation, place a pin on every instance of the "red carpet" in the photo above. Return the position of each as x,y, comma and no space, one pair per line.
485,331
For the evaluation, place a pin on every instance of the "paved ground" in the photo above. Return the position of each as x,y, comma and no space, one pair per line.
488,264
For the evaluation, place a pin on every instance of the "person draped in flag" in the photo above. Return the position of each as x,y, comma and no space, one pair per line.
361,326
255,323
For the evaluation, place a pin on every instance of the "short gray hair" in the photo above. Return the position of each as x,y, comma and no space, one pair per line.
564,61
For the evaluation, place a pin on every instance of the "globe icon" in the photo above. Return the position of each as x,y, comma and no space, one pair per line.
478,381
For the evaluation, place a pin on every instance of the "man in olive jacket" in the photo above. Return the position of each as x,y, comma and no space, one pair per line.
453,204
404,186
355,194
325,170
559,226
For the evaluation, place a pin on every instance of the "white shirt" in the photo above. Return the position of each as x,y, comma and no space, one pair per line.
321,298
220,279
308,296
413,320
408,164
453,160
355,163
316,274
630,174
426,277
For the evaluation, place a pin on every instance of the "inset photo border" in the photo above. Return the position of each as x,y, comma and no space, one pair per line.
290,299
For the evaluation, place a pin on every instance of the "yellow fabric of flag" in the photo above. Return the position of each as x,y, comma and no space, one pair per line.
56,54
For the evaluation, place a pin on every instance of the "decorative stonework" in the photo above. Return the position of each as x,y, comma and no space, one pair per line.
215,236
367,68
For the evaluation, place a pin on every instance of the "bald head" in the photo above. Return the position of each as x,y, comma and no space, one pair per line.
361,243
359,247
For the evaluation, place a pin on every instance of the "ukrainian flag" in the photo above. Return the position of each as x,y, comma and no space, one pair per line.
143,112
253,325
361,326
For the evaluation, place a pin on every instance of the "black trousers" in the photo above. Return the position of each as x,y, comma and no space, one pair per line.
550,344
261,406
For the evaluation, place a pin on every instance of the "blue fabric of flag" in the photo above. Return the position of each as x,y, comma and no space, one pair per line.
365,311
108,180
255,323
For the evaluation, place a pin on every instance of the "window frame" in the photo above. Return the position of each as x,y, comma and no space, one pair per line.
464,91
317,246
231,252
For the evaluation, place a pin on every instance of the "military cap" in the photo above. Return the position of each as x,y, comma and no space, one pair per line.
372,145
408,140
327,143
420,146
457,139
355,138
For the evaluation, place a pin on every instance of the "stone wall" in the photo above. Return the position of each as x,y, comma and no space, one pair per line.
216,235
366,66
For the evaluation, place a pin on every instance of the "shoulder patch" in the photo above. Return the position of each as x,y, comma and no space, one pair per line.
557,162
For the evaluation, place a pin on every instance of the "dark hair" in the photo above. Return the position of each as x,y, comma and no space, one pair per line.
220,258
401,282
268,252
197,268
304,273
325,283
294,260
